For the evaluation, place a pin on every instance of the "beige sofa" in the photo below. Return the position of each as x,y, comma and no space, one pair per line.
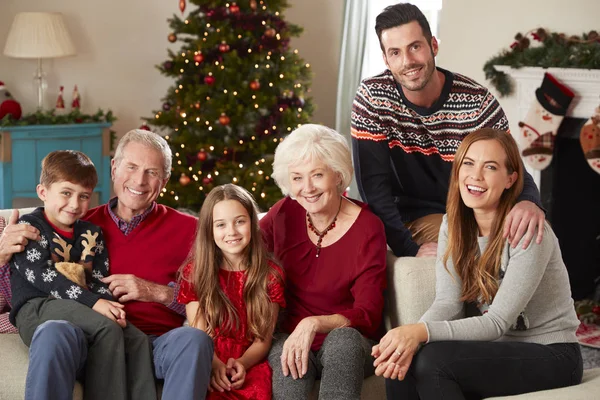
411,290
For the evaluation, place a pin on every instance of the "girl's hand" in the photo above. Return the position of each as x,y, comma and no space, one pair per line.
111,310
218,376
296,348
237,371
394,353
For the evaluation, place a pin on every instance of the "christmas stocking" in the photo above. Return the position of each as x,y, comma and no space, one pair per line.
590,141
536,139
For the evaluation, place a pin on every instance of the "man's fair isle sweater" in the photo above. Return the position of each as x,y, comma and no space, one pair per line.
153,251
403,153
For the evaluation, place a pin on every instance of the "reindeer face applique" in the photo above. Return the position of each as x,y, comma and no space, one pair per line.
79,271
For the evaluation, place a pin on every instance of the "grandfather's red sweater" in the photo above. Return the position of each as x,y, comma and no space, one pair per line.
154,251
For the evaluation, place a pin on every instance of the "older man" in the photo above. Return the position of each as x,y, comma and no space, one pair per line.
147,243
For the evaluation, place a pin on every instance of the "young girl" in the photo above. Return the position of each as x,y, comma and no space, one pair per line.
233,292
524,339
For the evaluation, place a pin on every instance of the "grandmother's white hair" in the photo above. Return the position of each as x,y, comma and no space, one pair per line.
317,143
150,139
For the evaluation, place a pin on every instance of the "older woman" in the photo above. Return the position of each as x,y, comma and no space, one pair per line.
333,251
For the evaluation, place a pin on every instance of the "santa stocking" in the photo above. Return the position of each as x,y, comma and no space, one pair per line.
536,139
590,141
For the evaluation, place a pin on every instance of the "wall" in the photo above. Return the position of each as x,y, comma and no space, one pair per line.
118,44
474,31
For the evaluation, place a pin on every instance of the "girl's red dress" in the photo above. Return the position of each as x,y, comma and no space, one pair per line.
257,385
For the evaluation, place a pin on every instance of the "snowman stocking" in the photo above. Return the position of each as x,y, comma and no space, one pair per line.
536,139
590,141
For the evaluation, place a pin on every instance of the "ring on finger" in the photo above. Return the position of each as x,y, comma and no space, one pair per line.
397,353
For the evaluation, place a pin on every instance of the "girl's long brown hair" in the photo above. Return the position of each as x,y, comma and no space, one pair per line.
207,259
479,273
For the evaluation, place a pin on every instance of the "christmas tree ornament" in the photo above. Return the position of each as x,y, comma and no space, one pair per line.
206,180
168,65
202,155
182,6
234,9
60,101
184,180
223,47
76,102
166,106
536,137
198,57
590,141
253,5
254,85
224,119
270,32
145,127
8,105
172,37
209,80
197,105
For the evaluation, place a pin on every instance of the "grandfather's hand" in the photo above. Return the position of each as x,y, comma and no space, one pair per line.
15,237
523,220
394,353
128,287
296,348
428,249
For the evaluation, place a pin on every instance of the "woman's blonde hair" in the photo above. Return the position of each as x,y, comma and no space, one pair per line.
313,142
207,259
479,273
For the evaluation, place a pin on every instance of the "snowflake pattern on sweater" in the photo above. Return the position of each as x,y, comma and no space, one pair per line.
33,271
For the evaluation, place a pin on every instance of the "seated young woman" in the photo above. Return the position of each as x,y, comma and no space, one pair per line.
524,338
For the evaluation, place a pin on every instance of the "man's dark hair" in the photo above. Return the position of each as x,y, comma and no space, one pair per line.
400,14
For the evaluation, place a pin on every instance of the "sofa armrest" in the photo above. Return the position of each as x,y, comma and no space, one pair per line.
411,289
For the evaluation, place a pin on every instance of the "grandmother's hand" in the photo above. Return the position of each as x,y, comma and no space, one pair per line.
394,353
296,348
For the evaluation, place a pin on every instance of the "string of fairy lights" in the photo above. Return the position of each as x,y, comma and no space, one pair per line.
193,118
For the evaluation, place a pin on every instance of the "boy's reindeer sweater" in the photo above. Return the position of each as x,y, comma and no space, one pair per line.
33,272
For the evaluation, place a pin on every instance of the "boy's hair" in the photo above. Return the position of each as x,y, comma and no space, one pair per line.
207,259
400,14
68,165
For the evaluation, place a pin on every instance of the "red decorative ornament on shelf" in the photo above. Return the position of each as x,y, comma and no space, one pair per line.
198,58
60,102
224,119
254,85
182,6
209,80
76,103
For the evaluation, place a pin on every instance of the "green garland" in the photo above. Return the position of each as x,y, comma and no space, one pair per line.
556,51
51,118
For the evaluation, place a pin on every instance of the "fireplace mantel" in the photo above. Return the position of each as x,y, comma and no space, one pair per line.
585,83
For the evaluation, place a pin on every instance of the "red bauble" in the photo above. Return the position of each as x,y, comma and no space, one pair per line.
184,180
270,32
234,9
172,37
223,47
224,119
145,127
253,4
197,105
255,85
206,180
202,156
209,80
182,5
198,58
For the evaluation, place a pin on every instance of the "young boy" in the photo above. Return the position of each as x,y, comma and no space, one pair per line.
58,278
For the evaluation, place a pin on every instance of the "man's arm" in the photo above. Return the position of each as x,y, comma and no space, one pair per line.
15,237
373,170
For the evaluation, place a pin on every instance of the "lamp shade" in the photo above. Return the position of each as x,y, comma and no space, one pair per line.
38,35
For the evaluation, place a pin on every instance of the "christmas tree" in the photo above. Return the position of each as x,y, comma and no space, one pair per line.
239,90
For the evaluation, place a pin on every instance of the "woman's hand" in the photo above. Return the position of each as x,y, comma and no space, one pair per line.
394,353
296,348
218,376
237,371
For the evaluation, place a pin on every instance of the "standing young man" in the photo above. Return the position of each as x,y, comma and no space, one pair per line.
407,124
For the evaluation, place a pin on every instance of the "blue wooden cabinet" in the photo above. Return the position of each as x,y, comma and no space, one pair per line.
22,149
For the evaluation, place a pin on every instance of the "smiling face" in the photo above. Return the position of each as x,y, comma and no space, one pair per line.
64,203
315,186
232,230
138,179
409,56
483,176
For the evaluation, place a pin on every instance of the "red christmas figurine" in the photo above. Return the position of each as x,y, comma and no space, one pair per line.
8,105
76,103
60,102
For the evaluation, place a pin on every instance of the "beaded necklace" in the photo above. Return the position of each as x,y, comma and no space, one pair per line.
321,234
